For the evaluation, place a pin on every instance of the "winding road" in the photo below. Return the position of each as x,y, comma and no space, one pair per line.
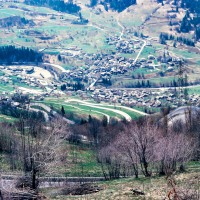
125,115
123,29
46,116
182,113
139,53
121,35
108,117
56,66
48,109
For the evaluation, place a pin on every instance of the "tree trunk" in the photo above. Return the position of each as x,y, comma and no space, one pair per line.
135,171
162,171
147,174
34,179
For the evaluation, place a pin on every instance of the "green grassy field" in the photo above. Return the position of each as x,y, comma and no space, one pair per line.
9,12
86,110
148,51
5,118
194,90
82,162
76,110
154,82
6,87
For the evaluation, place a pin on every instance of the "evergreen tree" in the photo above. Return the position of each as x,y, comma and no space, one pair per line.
148,83
174,44
89,119
60,5
10,54
197,33
59,57
104,121
62,111
120,5
185,24
80,16
93,3
63,87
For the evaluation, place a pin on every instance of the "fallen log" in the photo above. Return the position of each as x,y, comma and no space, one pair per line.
136,192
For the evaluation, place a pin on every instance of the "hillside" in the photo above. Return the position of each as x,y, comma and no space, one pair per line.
100,99
105,51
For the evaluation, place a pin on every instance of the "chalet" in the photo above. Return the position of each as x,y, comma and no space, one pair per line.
30,70
151,57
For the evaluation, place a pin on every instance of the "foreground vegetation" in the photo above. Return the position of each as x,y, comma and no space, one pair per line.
158,158
154,188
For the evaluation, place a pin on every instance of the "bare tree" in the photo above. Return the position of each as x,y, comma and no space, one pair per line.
40,147
142,146
174,149
127,148
133,148
111,162
142,139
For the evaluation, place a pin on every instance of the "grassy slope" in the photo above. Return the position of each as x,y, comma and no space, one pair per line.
5,118
155,188
91,37
82,162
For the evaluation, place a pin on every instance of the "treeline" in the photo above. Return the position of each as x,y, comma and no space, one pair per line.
61,5
9,110
74,86
193,6
191,22
142,148
166,36
15,21
117,5
120,5
11,54
149,84
139,84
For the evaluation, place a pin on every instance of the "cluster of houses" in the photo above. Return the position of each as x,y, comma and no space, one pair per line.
17,76
15,71
101,66
104,66
124,45
144,97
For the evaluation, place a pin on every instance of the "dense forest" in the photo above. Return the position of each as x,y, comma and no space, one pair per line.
60,5
75,86
118,5
6,108
165,36
15,21
10,54
193,6
191,20
9,110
